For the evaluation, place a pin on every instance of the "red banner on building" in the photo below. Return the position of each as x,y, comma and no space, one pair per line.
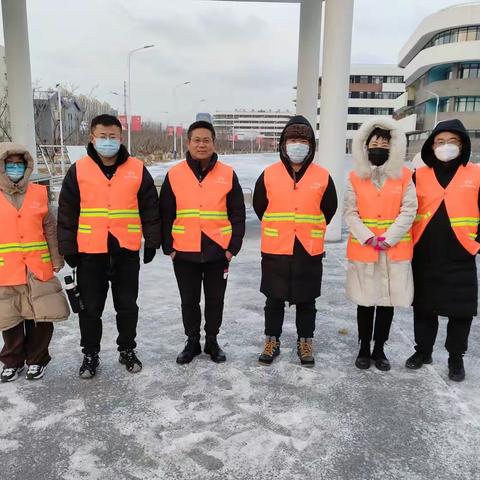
179,131
123,121
170,131
136,123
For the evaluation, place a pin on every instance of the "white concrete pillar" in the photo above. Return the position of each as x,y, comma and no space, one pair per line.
334,105
309,59
19,79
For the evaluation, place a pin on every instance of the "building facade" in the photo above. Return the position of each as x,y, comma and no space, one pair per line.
77,113
374,90
441,61
248,124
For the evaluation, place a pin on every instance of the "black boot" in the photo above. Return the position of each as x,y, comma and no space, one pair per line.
89,365
213,349
130,360
456,370
378,356
363,360
191,350
418,359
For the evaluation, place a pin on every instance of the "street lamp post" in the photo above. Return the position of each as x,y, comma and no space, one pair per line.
436,107
174,92
124,95
129,95
60,124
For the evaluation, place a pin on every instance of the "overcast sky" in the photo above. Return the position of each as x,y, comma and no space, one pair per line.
236,55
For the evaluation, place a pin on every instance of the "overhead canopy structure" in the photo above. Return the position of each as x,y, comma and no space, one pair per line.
335,78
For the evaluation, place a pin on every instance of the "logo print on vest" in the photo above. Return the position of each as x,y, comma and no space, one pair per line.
131,175
467,183
221,180
35,205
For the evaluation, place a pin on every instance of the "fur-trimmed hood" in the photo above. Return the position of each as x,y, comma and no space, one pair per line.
398,146
6,185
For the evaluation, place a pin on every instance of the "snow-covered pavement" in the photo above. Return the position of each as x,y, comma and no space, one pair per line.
240,420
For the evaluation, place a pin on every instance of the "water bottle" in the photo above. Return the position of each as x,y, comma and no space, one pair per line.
73,294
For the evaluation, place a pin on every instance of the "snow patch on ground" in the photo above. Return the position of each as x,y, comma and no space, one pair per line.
241,420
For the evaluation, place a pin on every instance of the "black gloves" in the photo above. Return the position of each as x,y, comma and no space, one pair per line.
148,254
72,260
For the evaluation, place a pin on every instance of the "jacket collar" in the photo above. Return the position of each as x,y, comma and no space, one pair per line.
196,166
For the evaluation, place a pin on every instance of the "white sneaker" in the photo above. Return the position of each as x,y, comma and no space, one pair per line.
10,374
35,372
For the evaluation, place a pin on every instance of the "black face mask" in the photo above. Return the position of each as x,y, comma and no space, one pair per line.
378,156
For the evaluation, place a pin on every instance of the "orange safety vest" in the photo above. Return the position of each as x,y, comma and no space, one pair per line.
22,241
201,206
378,209
108,206
294,210
461,202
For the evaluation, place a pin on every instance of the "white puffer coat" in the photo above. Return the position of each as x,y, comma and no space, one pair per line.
386,282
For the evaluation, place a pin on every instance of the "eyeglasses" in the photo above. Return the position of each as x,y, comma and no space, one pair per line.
205,141
453,141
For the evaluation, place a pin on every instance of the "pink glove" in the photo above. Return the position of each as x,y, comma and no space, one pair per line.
381,245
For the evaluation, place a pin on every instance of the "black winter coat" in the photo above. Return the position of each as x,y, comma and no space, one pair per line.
210,250
69,206
294,278
444,273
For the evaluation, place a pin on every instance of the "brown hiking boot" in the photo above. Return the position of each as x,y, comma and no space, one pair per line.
271,349
305,351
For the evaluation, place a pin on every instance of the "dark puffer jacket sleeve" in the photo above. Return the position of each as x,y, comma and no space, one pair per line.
149,212
68,214
168,213
329,202
236,215
260,200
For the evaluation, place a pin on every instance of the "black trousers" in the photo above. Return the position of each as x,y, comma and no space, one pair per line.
94,273
26,342
275,313
426,327
190,276
383,322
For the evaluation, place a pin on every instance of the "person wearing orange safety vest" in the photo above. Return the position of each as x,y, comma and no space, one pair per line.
31,297
295,199
446,238
108,202
203,224
379,209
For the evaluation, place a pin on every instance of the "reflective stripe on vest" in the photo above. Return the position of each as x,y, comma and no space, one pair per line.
461,203
109,206
378,210
294,210
201,206
23,245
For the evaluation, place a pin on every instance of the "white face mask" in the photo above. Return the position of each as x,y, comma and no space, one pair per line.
447,152
297,152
